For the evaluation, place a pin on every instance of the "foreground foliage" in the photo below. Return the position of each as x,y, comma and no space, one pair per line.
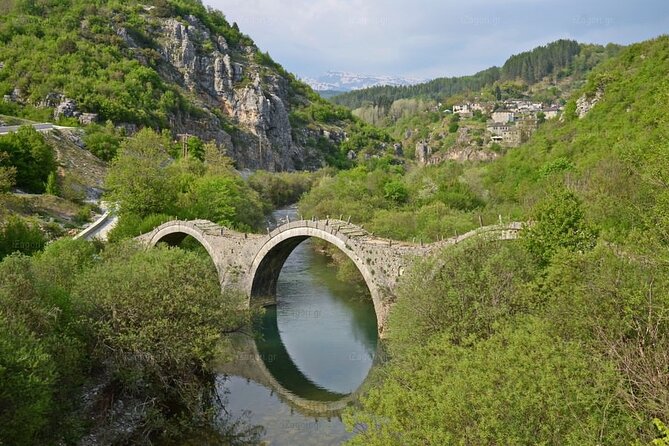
142,325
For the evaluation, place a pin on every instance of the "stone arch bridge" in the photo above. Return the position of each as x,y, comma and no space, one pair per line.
251,263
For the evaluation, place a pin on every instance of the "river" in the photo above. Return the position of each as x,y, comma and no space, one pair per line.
318,343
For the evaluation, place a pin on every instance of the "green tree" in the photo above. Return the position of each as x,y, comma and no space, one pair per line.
27,152
103,142
226,200
558,222
138,179
396,191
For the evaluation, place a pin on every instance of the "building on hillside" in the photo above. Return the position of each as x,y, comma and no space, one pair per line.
477,106
502,116
512,137
551,112
464,110
498,128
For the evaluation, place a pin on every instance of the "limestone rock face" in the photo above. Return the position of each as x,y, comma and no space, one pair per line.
234,85
470,154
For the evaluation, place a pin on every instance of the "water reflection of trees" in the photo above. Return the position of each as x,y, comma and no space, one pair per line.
220,427
358,302
279,363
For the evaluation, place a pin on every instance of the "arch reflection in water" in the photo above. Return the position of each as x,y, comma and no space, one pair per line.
320,339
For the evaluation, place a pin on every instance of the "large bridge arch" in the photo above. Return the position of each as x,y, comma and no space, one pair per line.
268,262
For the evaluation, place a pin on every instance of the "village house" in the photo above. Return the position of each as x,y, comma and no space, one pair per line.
464,110
502,116
497,128
512,137
551,112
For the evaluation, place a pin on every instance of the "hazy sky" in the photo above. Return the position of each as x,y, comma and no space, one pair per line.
431,38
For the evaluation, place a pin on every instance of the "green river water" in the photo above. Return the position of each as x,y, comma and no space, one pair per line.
318,342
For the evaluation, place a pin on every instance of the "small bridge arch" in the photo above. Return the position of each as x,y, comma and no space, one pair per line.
174,232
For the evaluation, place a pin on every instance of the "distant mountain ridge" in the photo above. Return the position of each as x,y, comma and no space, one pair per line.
345,81
557,60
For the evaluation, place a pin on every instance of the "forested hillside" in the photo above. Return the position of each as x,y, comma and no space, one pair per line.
557,60
574,313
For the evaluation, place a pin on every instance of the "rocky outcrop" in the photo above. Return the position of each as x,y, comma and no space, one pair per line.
232,84
586,102
469,154
66,109
423,152
88,118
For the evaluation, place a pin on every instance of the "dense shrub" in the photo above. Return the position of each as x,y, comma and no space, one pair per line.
27,374
143,325
20,235
33,159
520,386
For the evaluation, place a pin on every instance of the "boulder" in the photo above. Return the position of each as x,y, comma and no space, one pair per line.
88,118
66,109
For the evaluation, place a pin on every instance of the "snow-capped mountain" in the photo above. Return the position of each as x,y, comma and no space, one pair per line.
341,81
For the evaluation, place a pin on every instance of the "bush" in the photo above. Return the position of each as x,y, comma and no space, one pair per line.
156,319
396,191
520,386
36,297
27,375
463,291
103,142
558,222
28,152
19,235
51,184
83,215
72,188
616,304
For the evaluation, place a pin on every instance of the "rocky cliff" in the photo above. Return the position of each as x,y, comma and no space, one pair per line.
173,65
228,82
